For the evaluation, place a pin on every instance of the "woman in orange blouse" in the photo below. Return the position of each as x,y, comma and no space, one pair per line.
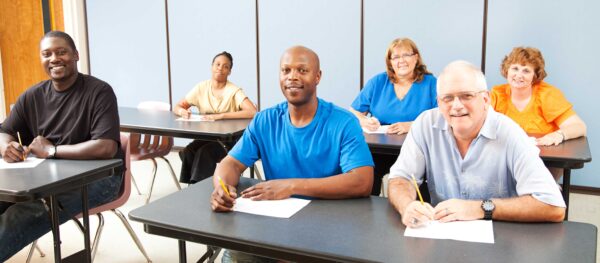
538,107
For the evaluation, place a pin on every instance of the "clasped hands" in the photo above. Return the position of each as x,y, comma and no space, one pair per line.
416,214
38,147
268,190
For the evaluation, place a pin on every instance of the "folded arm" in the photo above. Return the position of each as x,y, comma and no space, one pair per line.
354,183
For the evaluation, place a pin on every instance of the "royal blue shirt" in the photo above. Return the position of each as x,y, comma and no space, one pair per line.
378,98
332,143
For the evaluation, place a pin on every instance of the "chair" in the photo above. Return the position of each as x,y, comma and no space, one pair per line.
150,147
112,206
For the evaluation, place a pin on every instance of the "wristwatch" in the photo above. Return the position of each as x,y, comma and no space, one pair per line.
52,152
488,209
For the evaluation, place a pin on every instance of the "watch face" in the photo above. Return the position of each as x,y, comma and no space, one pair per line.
488,205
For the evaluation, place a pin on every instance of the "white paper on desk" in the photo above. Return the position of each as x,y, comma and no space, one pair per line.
285,208
481,231
194,118
30,162
382,129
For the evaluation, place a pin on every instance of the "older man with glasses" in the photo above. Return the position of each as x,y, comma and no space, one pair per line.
478,164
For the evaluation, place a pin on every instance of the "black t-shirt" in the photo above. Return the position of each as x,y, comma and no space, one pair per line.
86,111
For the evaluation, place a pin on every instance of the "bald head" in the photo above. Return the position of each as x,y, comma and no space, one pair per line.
312,57
299,75
461,70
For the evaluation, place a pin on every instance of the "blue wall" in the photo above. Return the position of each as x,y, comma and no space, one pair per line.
128,44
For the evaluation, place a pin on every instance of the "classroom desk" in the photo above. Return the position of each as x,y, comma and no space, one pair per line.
164,123
52,177
571,154
353,230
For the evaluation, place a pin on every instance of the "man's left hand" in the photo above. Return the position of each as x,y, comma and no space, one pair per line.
458,210
269,190
40,147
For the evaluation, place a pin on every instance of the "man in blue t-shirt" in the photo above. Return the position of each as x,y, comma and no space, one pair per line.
308,146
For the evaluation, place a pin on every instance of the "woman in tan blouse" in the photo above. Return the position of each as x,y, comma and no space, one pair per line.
216,99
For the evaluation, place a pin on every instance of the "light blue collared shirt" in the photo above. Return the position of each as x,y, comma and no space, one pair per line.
501,161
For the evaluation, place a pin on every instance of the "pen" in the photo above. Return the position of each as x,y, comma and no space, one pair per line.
417,188
223,185
21,143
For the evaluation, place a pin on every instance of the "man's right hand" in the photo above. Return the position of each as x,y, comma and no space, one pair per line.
14,152
220,201
416,214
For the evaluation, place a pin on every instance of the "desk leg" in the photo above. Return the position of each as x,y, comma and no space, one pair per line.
566,189
182,253
86,223
55,228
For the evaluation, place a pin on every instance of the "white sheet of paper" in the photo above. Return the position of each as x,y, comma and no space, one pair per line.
382,129
194,118
285,208
481,231
30,162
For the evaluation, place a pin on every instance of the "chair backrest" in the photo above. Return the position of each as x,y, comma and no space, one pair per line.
146,146
154,105
125,185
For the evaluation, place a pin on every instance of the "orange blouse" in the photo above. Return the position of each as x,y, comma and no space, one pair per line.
546,110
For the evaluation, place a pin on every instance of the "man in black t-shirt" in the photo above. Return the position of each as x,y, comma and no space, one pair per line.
69,116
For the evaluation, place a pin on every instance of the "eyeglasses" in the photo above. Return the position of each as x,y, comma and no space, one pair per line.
403,56
464,97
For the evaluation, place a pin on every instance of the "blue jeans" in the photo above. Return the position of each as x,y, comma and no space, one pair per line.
23,223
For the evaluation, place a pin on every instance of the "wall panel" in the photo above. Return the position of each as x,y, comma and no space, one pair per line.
443,30
330,28
127,43
199,30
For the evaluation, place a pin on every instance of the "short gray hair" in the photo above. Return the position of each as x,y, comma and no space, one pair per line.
480,82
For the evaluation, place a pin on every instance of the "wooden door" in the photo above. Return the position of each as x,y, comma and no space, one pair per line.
21,28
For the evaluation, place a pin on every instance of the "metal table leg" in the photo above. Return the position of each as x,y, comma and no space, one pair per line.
566,189
182,252
55,228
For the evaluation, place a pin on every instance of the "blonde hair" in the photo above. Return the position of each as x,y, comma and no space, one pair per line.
420,68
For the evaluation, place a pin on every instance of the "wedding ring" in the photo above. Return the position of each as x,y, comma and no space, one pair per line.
415,221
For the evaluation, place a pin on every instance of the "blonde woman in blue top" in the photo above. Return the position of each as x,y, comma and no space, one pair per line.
395,97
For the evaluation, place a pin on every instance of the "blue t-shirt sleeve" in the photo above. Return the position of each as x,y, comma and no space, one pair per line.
246,150
355,151
363,101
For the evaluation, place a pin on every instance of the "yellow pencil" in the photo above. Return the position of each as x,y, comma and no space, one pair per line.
417,188
223,185
21,143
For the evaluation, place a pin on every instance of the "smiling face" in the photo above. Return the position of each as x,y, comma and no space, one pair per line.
466,111
59,60
299,75
403,60
221,68
520,76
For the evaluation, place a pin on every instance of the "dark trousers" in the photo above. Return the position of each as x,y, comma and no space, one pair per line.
383,163
199,160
